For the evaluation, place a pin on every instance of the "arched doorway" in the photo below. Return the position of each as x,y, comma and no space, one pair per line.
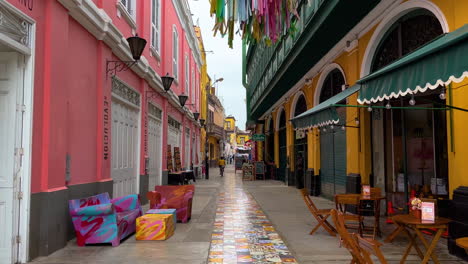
300,147
417,137
333,142
282,147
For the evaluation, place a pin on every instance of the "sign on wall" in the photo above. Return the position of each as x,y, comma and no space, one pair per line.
258,137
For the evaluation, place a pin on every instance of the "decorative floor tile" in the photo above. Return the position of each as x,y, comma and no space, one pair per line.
243,233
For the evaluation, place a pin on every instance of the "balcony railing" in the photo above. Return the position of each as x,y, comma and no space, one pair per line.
263,61
215,130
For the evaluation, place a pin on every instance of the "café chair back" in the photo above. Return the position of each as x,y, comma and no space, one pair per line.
320,215
343,203
360,248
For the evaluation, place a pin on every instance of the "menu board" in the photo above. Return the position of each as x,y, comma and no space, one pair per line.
238,163
259,167
169,164
178,163
247,172
428,211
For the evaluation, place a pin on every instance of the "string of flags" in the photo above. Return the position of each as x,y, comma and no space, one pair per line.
260,21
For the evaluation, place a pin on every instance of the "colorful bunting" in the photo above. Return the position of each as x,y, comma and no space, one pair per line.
263,21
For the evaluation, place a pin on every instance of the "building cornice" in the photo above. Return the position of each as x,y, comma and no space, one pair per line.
185,18
100,25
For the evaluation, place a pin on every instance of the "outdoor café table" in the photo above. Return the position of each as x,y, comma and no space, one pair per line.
409,222
189,175
376,200
176,178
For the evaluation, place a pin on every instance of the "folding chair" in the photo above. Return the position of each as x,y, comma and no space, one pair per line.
320,215
352,221
359,248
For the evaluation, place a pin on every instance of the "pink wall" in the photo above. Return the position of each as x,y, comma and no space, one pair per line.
72,94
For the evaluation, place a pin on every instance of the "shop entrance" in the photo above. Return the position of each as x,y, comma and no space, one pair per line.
282,148
420,135
300,147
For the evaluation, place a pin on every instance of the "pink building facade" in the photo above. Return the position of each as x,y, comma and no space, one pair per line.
70,127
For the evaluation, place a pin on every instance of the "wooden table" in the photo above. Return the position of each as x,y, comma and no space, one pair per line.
406,223
376,201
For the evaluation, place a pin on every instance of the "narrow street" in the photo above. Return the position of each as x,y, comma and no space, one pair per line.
238,222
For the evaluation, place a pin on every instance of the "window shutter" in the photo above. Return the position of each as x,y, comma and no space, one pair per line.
187,75
175,46
155,24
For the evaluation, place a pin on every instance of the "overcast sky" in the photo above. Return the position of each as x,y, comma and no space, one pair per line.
224,62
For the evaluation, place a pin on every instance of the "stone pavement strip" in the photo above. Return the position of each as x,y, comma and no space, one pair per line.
242,233
239,222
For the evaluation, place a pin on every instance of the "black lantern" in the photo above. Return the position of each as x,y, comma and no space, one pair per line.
196,115
182,99
137,45
167,82
202,121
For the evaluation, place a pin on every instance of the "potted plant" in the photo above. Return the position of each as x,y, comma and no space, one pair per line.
416,207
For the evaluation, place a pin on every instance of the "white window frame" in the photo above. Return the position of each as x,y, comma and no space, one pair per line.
197,92
156,26
193,86
175,53
187,75
127,9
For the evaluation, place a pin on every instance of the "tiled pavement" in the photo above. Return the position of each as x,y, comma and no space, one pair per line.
229,217
242,233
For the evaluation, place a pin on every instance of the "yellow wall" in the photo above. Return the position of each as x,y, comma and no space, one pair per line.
260,144
359,139
204,82
458,155
245,137
232,123
216,154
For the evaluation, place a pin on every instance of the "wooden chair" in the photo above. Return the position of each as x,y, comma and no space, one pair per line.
360,248
320,215
352,221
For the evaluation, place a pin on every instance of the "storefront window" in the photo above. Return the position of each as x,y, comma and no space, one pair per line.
415,137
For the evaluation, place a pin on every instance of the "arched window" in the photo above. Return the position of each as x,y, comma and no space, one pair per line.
406,35
301,106
332,85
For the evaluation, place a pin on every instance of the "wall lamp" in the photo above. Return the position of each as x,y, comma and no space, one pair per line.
166,82
196,115
182,99
137,45
202,122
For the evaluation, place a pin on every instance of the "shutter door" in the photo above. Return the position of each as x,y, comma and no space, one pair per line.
340,161
327,174
340,154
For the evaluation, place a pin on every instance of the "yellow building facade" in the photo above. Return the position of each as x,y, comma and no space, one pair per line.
364,131
205,83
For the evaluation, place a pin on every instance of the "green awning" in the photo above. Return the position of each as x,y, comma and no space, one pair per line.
440,62
324,113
